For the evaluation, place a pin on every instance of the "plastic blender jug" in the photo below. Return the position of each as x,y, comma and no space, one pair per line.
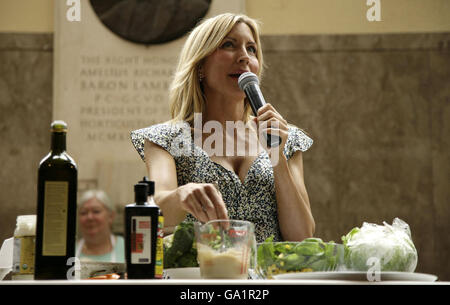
226,249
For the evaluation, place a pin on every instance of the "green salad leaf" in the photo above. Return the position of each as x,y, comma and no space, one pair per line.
311,254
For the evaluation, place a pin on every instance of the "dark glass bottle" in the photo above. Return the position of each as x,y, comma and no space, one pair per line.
143,228
159,263
56,209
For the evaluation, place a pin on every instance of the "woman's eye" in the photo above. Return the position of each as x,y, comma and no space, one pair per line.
227,44
251,49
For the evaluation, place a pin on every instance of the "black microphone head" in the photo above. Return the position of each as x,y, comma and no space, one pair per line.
247,78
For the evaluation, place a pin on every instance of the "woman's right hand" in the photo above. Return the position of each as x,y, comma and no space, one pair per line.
203,201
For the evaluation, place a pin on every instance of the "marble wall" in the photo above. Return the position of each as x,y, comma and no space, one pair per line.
377,106
26,81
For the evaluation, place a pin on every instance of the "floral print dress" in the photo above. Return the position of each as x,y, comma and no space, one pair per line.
252,200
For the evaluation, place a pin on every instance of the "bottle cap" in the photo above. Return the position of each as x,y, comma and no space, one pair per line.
140,193
151,185
58,126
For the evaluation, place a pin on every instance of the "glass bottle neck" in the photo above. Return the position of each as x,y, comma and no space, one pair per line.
58,142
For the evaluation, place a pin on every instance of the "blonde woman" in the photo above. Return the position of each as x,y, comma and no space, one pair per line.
198,175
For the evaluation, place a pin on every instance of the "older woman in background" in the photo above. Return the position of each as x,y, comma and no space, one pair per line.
95,218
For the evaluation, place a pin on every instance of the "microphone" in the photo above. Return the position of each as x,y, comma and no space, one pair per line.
249,83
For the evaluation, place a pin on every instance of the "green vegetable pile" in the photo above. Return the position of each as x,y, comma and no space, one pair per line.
179,248
312,254
381,248
371,247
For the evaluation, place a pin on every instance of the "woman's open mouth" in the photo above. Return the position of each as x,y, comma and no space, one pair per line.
235,75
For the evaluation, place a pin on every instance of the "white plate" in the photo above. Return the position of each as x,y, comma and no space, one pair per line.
182,273
357,276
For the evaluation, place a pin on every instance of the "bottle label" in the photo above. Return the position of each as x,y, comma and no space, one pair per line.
159,263
23,255
55,218
141,240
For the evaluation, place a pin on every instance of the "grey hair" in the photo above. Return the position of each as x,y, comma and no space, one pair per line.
100,195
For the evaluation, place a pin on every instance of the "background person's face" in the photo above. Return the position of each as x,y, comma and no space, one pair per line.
94,218
236,54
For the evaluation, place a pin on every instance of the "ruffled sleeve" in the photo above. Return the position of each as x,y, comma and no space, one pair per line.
297,140
171,137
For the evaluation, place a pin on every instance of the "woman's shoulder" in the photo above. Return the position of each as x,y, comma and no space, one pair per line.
160,129
162,134
297,133
298,139
120,240
119,249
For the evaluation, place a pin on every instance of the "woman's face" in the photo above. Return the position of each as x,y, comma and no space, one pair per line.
94,218
235,55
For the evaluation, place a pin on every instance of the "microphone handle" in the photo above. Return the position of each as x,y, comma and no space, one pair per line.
256,100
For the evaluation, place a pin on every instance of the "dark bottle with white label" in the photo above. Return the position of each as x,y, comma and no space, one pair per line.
143,235
56,209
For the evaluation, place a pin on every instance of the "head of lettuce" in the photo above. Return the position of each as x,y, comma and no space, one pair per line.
387,247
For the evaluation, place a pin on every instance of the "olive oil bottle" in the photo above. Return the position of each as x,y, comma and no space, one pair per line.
56,209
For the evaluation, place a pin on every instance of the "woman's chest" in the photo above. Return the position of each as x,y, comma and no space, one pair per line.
240,165
242,171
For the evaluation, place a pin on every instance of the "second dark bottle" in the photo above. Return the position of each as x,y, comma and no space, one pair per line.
143,235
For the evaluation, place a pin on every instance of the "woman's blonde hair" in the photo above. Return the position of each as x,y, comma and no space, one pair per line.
186,95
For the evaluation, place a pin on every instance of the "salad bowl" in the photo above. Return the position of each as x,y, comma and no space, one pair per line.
309,255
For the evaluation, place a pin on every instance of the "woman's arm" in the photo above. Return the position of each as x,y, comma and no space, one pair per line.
294,212
161,169
202,200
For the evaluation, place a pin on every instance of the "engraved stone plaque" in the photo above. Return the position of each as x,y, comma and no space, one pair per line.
106,84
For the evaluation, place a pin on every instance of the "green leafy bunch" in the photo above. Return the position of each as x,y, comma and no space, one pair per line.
390,247
179,248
